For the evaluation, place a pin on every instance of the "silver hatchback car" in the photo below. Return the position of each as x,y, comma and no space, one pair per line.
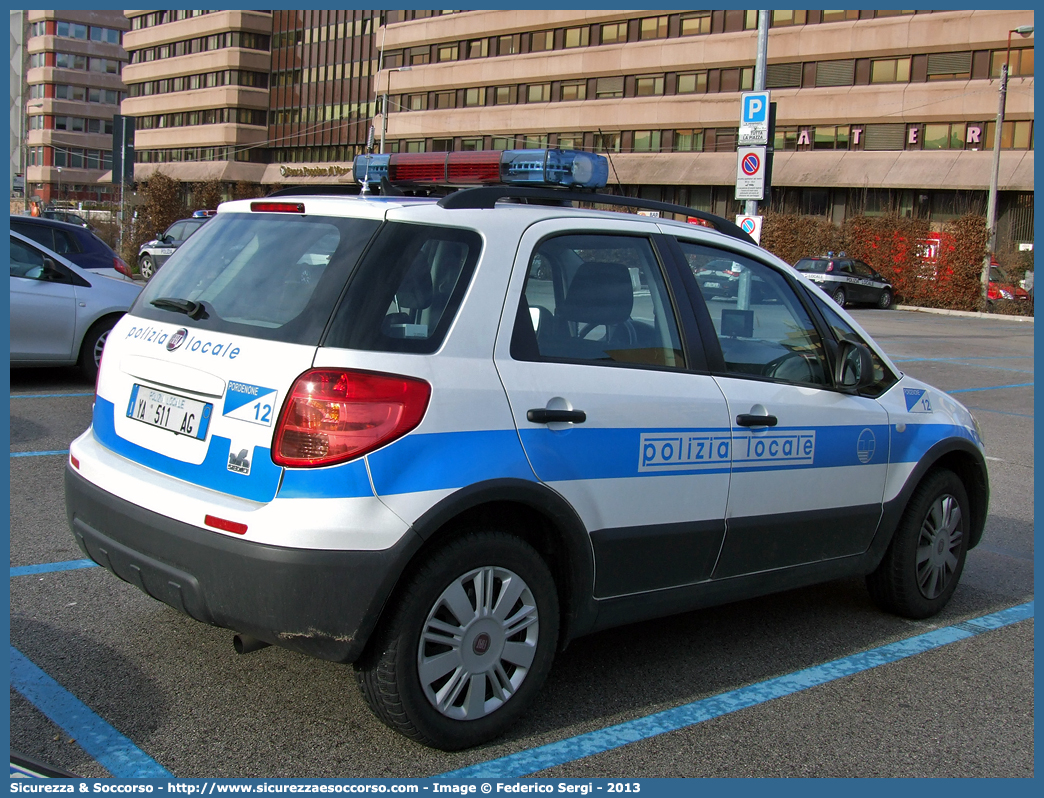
61,314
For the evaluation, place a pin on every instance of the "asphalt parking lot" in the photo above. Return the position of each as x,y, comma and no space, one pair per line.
813,682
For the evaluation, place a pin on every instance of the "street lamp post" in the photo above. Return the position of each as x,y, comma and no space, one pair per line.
991,203
59,182
384,101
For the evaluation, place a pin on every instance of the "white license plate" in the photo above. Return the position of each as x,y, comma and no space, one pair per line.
179,414
712,285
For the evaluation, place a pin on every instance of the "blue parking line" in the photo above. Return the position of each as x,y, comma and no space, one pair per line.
112,750
48,395
993,387
39,454
547,756
50,567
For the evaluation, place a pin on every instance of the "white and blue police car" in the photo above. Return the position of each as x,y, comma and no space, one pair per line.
440,437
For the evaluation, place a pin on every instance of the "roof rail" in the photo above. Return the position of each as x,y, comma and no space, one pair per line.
486,197
320,189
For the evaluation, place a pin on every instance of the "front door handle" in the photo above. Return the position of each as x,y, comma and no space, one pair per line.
543,415
750,420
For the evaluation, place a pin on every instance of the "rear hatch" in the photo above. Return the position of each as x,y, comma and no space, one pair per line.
193,378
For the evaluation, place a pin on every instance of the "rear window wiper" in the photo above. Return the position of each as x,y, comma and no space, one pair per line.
191,308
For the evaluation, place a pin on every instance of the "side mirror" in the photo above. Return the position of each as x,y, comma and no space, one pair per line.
51,271
853,367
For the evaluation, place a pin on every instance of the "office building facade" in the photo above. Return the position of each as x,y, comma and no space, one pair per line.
72,87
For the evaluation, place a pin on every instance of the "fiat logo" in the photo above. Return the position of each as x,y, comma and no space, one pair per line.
481,645
177,339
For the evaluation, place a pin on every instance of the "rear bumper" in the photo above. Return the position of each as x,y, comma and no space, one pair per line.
318,602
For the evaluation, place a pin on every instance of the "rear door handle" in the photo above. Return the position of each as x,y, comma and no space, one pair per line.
542,415
748,420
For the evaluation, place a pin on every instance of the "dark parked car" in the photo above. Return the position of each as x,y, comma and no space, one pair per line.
155,253
74,242
847,280
67,216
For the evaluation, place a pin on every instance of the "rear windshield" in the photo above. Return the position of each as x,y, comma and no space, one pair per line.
271,276
813,265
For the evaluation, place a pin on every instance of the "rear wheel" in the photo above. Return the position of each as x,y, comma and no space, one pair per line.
839,296
885,300
925,559
147,267
468,644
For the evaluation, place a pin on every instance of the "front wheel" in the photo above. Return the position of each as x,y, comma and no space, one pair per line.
885,300
468,644
839,296
924,561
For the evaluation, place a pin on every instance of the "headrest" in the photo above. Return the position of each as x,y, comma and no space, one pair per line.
600,293
416,291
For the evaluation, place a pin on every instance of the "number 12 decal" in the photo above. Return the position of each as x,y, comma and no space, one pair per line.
262,413
252,403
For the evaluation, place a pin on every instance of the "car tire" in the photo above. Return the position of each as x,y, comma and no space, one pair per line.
925,559
428,690
839,296
885,300
147,267
92,346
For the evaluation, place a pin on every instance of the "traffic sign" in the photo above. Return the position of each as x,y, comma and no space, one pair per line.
754,119
751,225
750,173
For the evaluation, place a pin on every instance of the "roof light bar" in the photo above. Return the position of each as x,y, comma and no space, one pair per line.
566,168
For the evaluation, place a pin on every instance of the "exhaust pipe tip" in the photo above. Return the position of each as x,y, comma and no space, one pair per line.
245,644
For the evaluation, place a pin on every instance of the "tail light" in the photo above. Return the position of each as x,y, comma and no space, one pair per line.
334,415
119,265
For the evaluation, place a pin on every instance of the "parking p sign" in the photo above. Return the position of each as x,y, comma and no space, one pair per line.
754,119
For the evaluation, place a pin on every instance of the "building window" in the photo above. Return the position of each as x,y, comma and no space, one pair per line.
442,145
890,70
949,66
70,61
830,137
614,33
649,86
606,142
534,141
447,52
478,48
652,28
692,83
696,24
646,141
71,30
420,56
688,141
943,136
509,45
782,19
541,40
538,93
470,145
577,37
416,102
474,97
1021,63
840,16
1014,135
574,90
607,88
571,141
445,99
505,95
415,146
502,143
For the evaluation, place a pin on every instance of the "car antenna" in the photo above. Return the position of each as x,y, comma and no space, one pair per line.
609,156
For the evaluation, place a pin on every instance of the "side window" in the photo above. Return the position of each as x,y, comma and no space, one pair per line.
597,299
39,233
64,243
175,231
763,328
25,261
861,269
407,289
842,330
